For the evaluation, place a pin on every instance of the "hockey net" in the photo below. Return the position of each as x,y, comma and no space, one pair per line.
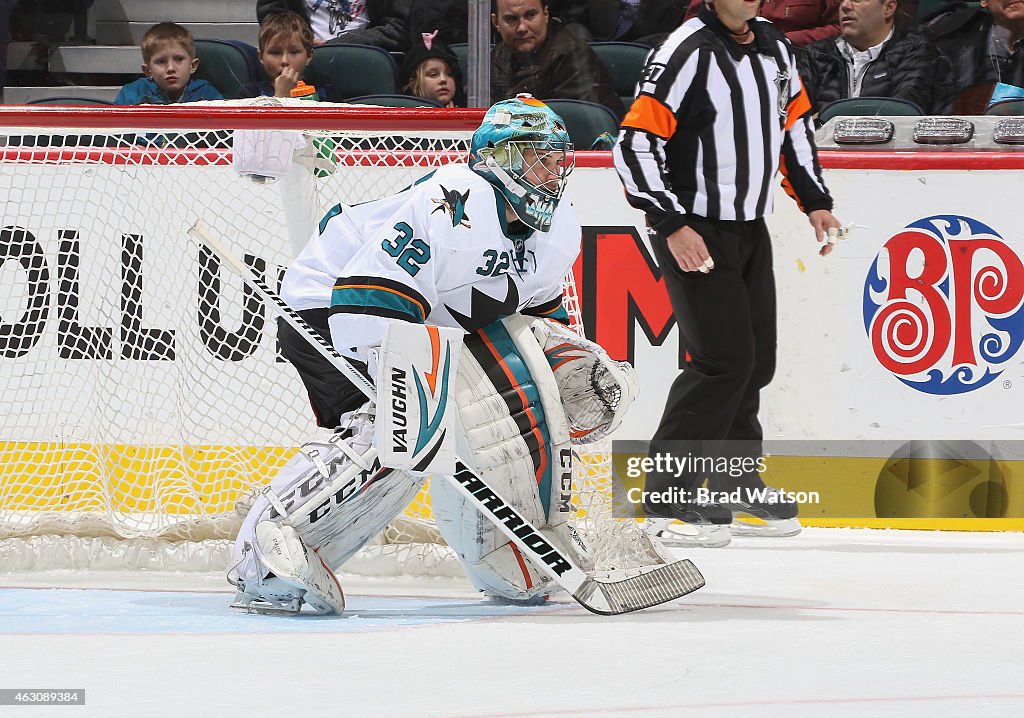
142,394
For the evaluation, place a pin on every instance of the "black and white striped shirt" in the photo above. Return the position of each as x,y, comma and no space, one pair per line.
713,123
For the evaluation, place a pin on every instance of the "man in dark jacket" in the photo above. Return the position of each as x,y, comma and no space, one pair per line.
388,28
328,19
871,59
544,59
385,25
449,17
644,21
984,46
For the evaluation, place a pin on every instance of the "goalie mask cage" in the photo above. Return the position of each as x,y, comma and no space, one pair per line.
142,394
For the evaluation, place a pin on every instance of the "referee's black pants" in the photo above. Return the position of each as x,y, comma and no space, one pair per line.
727,324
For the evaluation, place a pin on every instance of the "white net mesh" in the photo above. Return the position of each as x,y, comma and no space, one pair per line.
141,389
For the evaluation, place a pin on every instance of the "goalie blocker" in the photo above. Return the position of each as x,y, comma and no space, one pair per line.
511,425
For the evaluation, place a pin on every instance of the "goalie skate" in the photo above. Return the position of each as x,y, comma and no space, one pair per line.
291,575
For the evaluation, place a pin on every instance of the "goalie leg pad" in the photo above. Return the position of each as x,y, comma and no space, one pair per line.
492,563
334,494
514,432
515,437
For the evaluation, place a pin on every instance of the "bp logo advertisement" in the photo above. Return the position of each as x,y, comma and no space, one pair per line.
943,304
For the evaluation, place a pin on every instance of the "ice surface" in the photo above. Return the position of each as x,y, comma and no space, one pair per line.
831,623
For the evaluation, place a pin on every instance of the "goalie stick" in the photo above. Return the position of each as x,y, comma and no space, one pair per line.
606,595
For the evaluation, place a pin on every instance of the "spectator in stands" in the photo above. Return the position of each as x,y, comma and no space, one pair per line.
168,63
286,47
544,59
646,22
388,26
803,22
984,46
328,19
575,15
430,70
449,17
872,59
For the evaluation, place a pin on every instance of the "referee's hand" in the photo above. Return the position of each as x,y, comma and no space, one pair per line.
822,221
691,254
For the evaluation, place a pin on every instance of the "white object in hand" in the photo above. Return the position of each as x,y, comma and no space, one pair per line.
837,233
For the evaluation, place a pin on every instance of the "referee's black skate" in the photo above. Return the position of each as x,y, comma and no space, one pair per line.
688,524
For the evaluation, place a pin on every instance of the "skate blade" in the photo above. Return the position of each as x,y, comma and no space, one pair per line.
265,608
676,534
779,528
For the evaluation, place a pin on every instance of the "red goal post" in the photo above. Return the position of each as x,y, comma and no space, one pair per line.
142,394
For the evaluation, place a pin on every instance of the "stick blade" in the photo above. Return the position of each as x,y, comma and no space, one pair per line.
610,597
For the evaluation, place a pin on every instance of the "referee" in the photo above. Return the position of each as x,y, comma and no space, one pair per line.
720,110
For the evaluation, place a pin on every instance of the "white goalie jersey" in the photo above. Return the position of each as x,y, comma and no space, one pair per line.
439,252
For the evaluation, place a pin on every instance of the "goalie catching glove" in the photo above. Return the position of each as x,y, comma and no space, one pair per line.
595,389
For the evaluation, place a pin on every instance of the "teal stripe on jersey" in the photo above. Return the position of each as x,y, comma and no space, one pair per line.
378,301
513,363
559,315
550,310
331,214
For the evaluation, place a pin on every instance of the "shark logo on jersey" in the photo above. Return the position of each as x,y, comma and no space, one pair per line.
455,203
485,309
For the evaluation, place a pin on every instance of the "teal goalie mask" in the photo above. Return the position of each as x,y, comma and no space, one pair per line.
523,149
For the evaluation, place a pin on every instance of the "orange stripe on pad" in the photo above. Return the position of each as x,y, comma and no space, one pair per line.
534,429
435,357
649,115
522,565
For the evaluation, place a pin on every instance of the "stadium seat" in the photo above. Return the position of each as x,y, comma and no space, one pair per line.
869,106
228,65
625,62
585,121
393,101
340,72
1012,106
59,100
461,50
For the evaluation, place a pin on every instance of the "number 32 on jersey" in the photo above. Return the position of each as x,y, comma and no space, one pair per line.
410,254
495,263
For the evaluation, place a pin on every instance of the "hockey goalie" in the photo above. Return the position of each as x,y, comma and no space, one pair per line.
448,295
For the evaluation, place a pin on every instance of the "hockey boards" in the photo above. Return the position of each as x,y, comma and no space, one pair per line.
609,594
